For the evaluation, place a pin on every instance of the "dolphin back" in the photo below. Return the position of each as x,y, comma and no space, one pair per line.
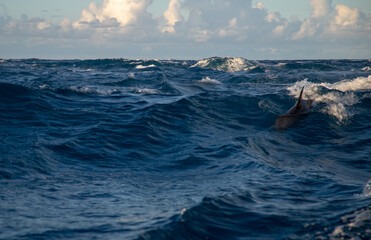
301,105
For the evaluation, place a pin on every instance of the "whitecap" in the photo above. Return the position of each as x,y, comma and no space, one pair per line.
209,80
366,190
338,101
147,91
144,67
227,64
93,90
281,64
83,70
353,225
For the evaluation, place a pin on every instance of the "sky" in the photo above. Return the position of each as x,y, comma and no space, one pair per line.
185,29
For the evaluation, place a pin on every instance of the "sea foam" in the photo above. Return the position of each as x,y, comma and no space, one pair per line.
341,96
144,67
93,90
227,64
209,80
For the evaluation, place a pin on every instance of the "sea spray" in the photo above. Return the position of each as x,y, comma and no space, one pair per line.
338,97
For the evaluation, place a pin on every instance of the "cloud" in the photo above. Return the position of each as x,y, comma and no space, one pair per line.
327,23
259,5
4,10
172,16
123,12
349,23
307,29
25,26
220,21
346,16
320,8
273,17
202,25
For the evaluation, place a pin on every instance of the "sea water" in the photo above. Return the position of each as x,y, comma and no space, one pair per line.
184,149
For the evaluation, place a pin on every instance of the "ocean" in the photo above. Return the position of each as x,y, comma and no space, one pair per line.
184,149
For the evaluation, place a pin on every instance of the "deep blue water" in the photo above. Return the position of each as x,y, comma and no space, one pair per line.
155,149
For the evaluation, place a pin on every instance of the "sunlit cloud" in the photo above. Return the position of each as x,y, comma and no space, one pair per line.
172,16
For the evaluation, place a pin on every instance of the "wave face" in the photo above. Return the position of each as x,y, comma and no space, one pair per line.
155,149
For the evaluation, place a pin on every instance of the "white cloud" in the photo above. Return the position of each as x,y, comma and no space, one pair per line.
321,8
65,25
233,30
124,12
259,5
326,23
172,16
307,29
279,29
232,20
43,25
273,17
32,27
349,23
346,16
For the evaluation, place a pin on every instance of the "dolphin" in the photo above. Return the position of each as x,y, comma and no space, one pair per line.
295,113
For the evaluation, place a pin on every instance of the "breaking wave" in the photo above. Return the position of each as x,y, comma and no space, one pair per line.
228,64
337,97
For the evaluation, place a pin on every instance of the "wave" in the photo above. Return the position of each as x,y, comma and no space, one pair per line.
337,97
229,64
197,136
83,90
144,67
92,90
14,96
281,64
147,91
227,217
21,109
366,190
209,80
355,225
241,217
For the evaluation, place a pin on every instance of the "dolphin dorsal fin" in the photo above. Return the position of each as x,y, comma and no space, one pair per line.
300,97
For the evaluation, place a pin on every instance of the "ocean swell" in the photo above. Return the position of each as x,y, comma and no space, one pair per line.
183,149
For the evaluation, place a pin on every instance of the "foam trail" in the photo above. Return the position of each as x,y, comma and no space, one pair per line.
92,90
337,101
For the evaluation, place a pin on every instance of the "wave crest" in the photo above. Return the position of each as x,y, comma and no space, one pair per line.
226,64
208,80
338,97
